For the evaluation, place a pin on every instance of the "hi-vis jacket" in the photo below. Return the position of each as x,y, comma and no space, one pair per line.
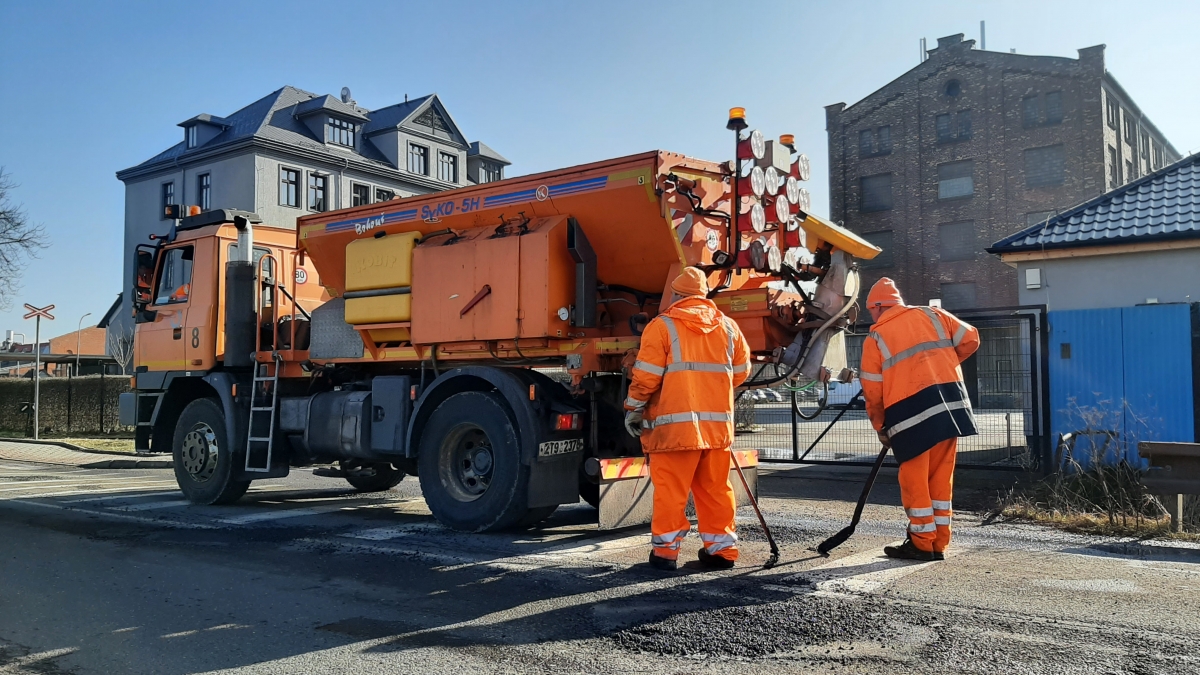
912,381
691,358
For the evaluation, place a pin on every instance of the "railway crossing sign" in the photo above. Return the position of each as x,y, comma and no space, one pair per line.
39,313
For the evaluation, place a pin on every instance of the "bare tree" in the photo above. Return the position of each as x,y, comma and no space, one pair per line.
20,240
120,347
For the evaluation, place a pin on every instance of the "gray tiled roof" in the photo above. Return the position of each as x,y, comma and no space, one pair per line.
478,148
328,102
273,117
1159,206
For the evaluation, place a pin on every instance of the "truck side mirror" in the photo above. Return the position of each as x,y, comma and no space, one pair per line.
143,275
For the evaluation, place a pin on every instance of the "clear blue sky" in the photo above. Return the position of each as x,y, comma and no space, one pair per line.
89,88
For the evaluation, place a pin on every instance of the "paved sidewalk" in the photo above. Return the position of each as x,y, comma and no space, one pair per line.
50,453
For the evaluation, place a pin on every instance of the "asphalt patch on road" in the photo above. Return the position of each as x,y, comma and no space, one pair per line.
756,631
783,534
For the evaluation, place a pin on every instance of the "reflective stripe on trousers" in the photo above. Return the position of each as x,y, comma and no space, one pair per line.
718,542
942,515
670,541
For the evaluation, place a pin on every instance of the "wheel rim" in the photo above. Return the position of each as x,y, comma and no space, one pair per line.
200,452
466,463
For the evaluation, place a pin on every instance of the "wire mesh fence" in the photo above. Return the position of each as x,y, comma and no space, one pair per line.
1002,379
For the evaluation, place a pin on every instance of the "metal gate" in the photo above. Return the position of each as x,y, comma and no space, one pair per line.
1006,380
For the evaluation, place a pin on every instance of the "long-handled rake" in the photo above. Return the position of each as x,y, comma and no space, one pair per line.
761,521
840,538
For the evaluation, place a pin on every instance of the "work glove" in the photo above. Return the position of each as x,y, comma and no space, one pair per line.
633,423
883,438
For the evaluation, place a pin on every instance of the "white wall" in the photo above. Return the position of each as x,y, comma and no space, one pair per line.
1120,280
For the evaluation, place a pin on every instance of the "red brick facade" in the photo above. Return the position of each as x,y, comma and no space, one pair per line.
974,145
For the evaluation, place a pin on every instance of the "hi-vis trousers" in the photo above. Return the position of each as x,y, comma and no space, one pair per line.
926,488
704,473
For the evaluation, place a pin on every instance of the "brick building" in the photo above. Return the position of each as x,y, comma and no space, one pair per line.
970,146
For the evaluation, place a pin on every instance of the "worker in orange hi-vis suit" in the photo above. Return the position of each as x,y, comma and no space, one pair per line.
913,386
681,405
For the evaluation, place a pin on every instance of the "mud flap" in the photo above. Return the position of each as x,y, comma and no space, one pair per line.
627,495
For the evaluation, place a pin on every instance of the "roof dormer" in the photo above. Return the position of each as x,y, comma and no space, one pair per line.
202,129
333,122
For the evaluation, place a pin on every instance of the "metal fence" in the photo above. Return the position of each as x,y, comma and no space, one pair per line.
1005,380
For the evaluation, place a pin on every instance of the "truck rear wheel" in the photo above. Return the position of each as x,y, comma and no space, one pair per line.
203,460
371,476
469,465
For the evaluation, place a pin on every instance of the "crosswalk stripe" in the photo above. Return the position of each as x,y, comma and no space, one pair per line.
389,533
150,506
130,489
280,514
110,498
180,524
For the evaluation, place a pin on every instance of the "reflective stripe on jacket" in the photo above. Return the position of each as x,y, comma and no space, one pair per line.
912,381
690,360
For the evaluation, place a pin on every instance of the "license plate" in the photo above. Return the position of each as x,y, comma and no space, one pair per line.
554,448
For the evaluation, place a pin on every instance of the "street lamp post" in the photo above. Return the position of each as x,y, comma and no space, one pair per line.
72,374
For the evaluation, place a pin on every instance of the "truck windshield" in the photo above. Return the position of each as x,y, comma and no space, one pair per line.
175,277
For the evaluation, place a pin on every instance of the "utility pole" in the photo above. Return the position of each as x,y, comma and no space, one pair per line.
37,314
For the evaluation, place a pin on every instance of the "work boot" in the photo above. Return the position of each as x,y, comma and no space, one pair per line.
909,551
714,562
938,555
661,563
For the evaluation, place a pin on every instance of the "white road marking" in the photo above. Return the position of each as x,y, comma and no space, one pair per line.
130,490
123,516
151,506
865,572
115,497
279,514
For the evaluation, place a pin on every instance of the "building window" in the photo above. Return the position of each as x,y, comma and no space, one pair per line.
192,134
1129,171
204,191
168,198
447,167
1158,157
956,179
1130,130
1044,166
956,241
1054,107
418,159
946,126
317,192
874,142
958,296
339,132
489,172
289,187
384,195
1037,218
884,241
1114,169
360,195
875,193
953,88
1112,111
1030,116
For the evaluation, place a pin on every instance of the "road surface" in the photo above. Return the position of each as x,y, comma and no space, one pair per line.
109,571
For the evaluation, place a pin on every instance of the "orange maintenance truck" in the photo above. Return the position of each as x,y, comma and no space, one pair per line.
480,338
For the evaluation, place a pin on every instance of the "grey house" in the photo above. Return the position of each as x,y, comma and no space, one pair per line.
1136,245
292,153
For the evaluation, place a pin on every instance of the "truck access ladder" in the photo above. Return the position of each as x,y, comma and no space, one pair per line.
260,437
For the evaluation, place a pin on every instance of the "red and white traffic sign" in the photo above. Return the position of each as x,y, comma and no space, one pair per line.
34,311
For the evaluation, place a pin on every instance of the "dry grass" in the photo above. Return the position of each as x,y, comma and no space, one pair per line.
107,444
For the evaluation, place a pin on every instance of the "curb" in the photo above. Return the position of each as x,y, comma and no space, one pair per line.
125,461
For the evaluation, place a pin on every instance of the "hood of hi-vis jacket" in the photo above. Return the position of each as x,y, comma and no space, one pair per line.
691,358
911,379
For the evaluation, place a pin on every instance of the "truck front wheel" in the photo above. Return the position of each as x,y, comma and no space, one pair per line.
203,460
469,464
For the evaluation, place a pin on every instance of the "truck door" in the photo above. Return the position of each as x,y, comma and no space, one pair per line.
200,326
161,344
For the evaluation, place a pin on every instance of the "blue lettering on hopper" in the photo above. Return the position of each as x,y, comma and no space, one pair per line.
370,222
